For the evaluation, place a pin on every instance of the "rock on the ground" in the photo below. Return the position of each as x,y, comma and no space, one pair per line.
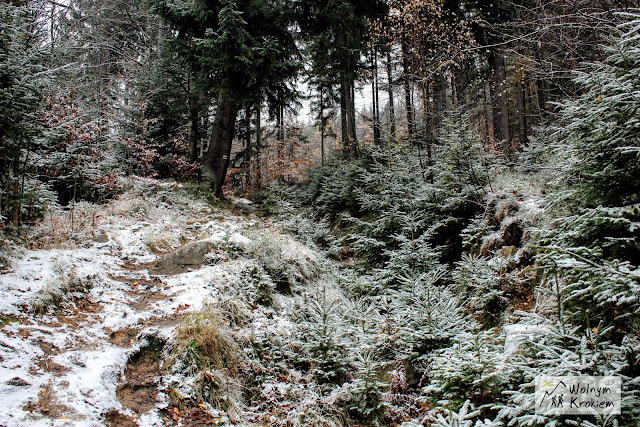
508,251
243,205
190,256
101,237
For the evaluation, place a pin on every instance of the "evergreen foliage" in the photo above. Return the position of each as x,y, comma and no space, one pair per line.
365,398
589,253
428,315
463,329
404,214
23,77
439,274
593,255
601,127
468,370
488,286
323,343
246,52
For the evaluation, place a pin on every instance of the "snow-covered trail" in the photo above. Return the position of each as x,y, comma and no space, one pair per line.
63,367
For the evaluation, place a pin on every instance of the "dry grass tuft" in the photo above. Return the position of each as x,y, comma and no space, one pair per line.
203,343
66,286
204,347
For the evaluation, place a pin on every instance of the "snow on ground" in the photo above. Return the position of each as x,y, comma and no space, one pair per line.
63,368
34,271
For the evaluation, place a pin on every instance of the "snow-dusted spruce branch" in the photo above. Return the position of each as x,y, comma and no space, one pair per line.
633,274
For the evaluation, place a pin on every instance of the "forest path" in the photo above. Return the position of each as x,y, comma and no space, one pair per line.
81,325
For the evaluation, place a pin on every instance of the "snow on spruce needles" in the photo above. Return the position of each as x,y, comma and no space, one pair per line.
159,309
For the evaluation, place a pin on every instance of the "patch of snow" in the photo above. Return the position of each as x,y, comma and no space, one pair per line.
69,353
151,419
239,239
243,200
36,268
192,289
90,385
17,357
516,334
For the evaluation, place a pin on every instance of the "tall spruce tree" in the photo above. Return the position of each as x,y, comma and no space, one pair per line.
22,79
244,47
602,126
598,240
337,34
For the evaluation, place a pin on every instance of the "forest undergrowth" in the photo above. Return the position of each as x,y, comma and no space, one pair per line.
422,276
460,287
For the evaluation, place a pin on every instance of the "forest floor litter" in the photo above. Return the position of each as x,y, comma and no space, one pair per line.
82,328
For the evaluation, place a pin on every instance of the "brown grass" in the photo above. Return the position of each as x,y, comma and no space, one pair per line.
205,343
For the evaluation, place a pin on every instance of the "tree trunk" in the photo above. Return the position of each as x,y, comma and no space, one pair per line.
500,100
542,90
258,147
347,115
248,149
490,135
427,130
522,118
374,96
16,188
216,159
322,125
533,102
343,116
441,95
406,81
193,134
392,113
193,138
355,151
280,124
347,104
